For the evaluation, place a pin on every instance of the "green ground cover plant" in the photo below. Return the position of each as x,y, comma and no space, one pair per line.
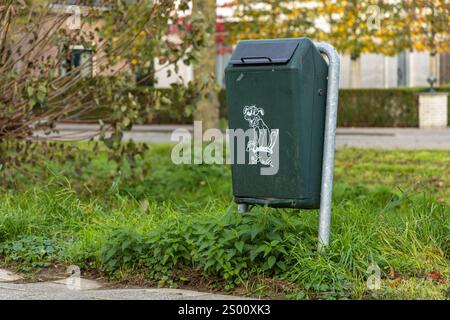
178,226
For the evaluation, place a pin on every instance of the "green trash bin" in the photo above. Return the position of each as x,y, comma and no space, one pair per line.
277,89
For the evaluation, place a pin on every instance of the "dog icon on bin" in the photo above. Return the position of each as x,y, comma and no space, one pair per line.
264,139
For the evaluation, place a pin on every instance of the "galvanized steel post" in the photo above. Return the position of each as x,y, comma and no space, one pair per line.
242,208
329,143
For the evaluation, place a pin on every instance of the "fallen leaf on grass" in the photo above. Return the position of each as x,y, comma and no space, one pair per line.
395,282
393,274
439,184
433,276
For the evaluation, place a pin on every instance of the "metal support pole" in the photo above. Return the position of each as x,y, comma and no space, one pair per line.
329,143
242,208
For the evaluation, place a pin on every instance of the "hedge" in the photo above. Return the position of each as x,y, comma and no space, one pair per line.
373,107
179,109
357,108
379,107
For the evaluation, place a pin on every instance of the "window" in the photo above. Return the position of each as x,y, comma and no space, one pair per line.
80,61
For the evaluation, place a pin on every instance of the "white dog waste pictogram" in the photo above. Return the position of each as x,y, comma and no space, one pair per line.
261,146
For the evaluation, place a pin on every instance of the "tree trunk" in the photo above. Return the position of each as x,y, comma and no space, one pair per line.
207,109
355,72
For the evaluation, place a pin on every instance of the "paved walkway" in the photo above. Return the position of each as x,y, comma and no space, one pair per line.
385,138
393,138
72,289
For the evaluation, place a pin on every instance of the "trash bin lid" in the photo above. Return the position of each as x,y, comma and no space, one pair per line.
262,52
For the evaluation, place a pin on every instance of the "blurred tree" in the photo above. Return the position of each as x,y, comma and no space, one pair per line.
265,19
46,65
360,26
429,28
352,26
207,108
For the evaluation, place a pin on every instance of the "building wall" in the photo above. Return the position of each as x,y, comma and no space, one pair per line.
165,74
51,51
377,71
419,68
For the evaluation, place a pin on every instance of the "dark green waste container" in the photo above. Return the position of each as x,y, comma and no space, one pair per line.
278,85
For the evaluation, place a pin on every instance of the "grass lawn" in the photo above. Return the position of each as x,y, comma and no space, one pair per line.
168,225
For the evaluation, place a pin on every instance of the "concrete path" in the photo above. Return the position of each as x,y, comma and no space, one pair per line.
393,138
385,138
83,289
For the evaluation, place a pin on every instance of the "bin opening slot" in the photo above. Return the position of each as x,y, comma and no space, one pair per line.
256,60
263,53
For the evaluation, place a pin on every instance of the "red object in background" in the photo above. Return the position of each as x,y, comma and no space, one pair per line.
220,31
220,34
174,28
222,50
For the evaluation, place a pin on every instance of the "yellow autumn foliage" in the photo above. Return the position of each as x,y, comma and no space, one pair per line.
352,26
